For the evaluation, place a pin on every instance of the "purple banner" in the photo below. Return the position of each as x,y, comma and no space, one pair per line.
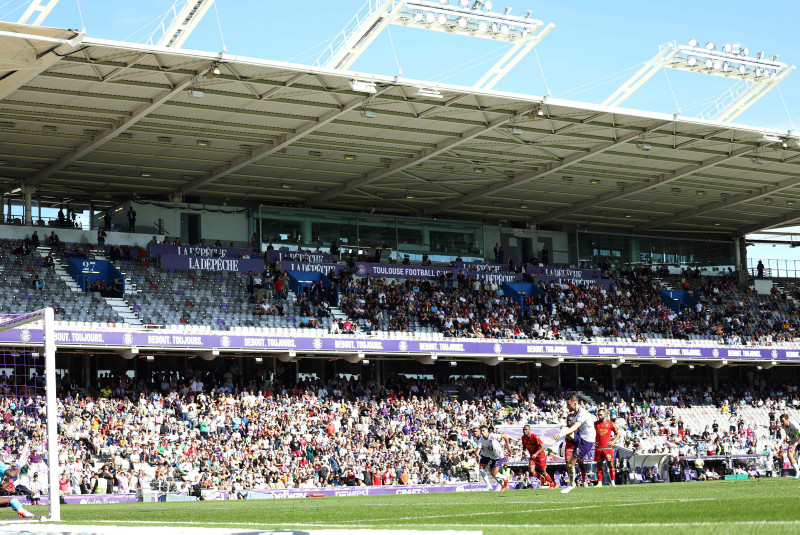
314,268
92,499
399,271
205,263
482,266
342,492
158,249
453,346
314,257
570,275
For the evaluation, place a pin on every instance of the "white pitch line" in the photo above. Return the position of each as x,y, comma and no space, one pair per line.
472,524
537,510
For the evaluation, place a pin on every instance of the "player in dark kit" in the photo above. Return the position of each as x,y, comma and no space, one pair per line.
606,434
538,458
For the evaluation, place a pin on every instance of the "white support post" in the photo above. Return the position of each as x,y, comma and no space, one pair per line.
663,58
176,27
355,40
52,418
740,104
37,6
511,58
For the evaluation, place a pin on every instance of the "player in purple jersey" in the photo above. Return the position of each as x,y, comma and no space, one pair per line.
491,454
583,433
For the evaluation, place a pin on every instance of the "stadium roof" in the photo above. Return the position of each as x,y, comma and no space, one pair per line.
83,119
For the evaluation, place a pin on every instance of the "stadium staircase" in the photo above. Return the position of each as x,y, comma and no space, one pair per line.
59,269
590,397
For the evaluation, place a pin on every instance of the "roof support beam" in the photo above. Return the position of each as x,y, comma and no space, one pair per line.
643,186
406,163
548,169
725,203
121,125
19,77
42,7
781,221
262,151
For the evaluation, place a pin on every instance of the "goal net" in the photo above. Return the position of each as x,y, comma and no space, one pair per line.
28,420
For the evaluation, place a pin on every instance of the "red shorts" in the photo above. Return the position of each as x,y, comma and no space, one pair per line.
606,453
569,446
539,462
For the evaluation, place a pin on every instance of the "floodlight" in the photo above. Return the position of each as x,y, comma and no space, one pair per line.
259,360
482,26
507,10
462,22
528,14
709,64
775,57
363,87
760,55
430,18
504,29
727,48
745,51
444,2
428,92
710,46
369,114
216,70
726,66
463,3
203,143
488,6
442,19
349,157
495,28
768,138
692,61
742,69
453,364
694,42
418,17
718,64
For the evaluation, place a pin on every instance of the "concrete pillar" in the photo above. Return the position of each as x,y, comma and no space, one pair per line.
87,371
28,215
306,231
91,215
715,377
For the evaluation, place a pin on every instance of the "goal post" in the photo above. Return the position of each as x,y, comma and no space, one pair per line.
24,340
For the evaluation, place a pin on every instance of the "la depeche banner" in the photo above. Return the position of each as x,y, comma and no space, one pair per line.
158,249
204,263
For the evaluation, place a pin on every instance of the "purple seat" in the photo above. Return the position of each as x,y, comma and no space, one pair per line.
220,323
217,278
291,319
137,308
228,295
38,264
224,305
125,263
26,297
181,293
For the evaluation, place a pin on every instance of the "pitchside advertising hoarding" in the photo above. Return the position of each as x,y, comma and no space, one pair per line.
452,347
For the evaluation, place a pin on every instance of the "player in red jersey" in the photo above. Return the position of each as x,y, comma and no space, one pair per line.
606,435
538,458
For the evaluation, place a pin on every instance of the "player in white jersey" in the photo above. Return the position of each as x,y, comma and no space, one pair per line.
793,439
583,435
491,454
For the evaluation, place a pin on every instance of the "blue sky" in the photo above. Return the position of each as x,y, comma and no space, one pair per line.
592,40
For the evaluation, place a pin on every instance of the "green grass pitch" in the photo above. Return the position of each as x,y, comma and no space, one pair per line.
745,506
